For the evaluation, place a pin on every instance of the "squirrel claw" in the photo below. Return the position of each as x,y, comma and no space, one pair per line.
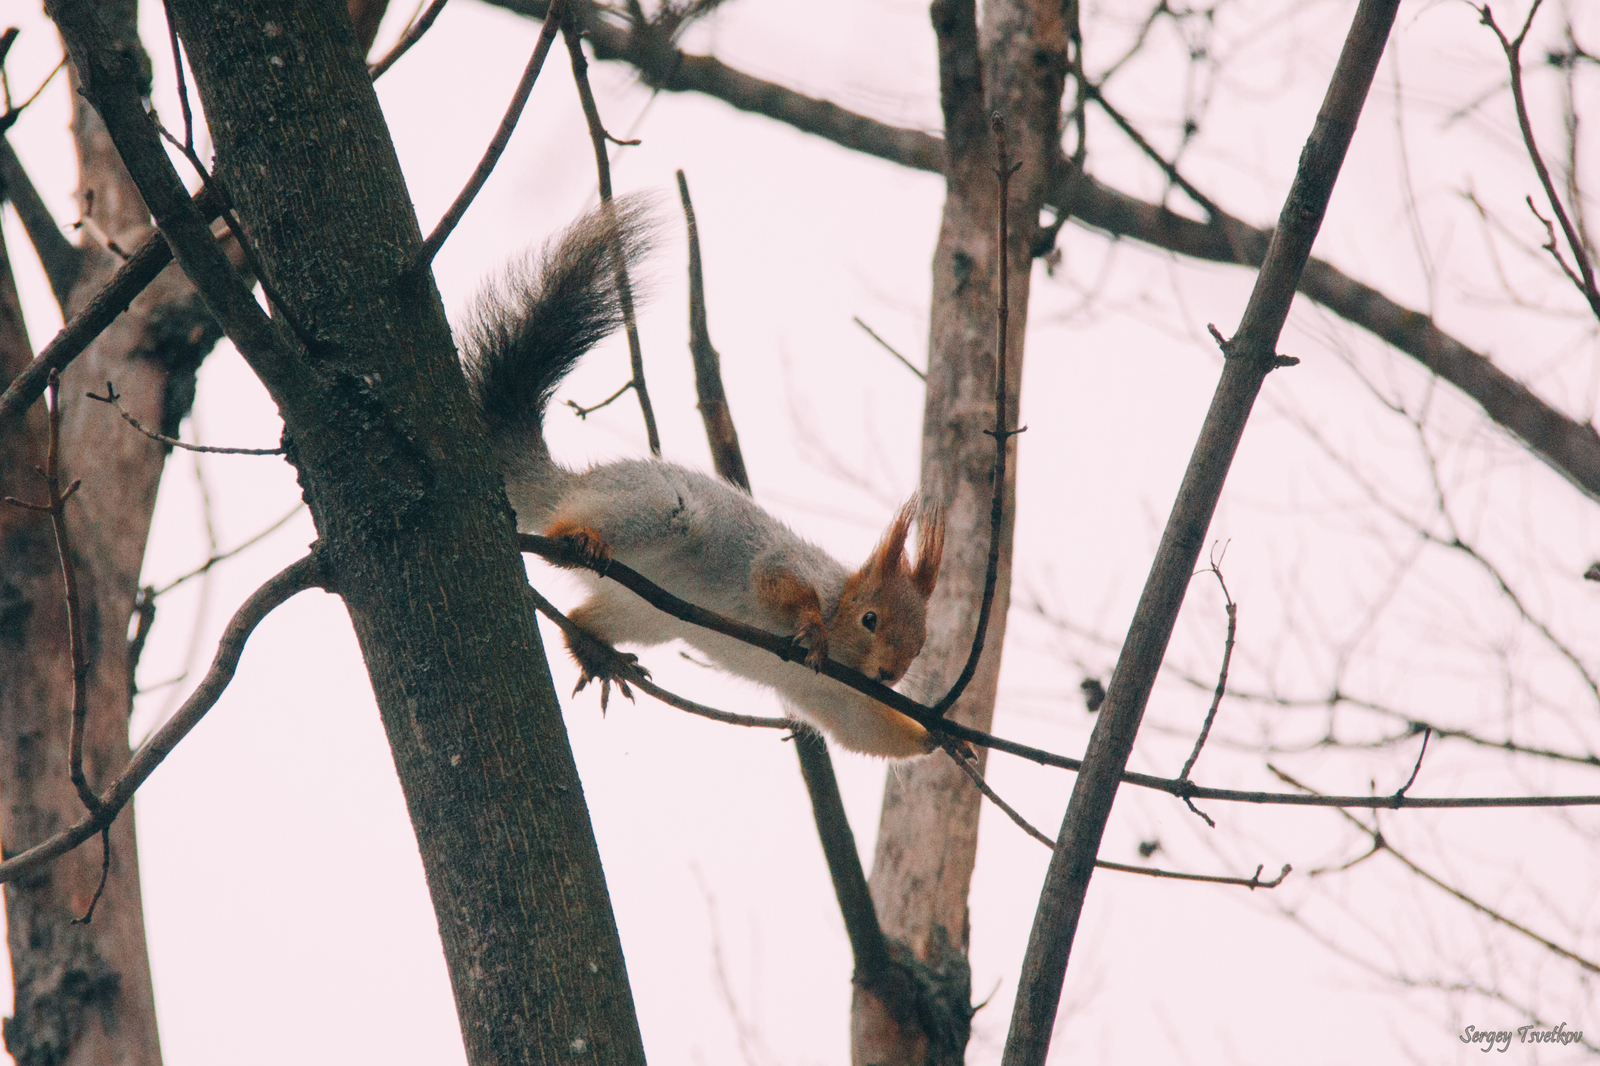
599,661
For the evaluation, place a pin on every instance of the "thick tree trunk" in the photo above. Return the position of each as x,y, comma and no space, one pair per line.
415,532
927,840
83,992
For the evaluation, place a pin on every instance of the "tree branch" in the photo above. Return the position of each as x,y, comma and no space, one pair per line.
1380,843
60,258
110,81
726,455
868,945
497,145
1251,356
562,553
599,137
296,577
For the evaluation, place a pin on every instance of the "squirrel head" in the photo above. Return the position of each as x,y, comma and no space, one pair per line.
881,621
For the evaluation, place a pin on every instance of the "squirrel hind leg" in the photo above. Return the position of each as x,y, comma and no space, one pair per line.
598,661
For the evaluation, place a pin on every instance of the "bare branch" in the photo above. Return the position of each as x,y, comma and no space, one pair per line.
726,455
886,346
869,947
60,258
569,627
561,552
1252,358
1380,843
296,577
112,398
497,145
56,506
598,136
1580,254
972,772
1222,686
1003,172
412,35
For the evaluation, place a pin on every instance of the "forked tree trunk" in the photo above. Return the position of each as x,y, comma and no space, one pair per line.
928,836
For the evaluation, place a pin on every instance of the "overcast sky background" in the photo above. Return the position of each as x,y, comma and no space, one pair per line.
287,914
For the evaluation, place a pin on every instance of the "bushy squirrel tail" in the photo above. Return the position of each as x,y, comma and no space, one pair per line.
530,327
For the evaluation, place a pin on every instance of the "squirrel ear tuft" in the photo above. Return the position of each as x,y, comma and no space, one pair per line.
889,556
930,548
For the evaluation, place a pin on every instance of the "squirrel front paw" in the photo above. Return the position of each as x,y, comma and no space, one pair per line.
813,636
587,547
599,661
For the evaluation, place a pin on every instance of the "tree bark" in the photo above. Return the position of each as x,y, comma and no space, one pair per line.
415,532
83,992
927,839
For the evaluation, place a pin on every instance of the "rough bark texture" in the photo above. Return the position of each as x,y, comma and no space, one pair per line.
927,840
83,992
416,536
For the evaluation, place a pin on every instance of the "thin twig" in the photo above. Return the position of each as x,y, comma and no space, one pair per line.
183,88
56,506
598,137
561,552
113,399
230,553
567,625
1222,685
296,577
972,772
11,115
1380,843
1400,793
105,872
412,35
1000,433
1252,883
1580,254
491,156
585,412
1213,212
886,346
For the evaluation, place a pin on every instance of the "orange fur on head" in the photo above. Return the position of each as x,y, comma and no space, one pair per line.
879,624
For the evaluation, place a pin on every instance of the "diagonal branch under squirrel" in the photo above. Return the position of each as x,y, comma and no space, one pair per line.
700,538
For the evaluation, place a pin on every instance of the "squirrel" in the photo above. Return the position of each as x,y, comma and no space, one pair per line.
700,538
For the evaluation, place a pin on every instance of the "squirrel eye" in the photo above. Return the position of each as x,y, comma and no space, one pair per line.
870,620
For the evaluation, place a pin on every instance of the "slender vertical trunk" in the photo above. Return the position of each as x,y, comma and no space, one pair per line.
927,840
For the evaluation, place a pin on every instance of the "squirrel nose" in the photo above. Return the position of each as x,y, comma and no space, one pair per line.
885,675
